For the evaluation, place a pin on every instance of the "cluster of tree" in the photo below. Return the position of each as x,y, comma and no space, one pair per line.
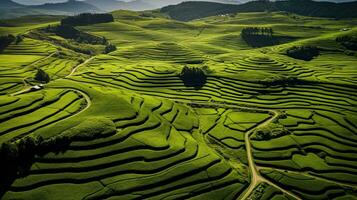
349,42
69,32
87,19
110,48
270,132
6,41
68,44
19,39
17,157
193,77
264,31
42,76
85,39
259,36
303,52
282,81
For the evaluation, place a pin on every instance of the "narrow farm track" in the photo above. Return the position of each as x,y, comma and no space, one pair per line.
255,177
80,65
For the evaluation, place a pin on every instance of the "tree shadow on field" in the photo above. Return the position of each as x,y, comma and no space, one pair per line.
17,157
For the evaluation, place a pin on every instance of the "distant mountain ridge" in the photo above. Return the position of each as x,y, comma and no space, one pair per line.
9,4
191,10
183,11
139,5
11,9
71,6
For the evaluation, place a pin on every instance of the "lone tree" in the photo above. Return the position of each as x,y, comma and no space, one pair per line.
306,53
42,76
193,77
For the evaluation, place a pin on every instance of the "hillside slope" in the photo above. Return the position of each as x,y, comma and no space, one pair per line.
128,125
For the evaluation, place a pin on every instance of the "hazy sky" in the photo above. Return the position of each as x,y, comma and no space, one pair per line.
56,1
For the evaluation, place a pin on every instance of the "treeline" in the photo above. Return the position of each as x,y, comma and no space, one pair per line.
17,157
87,19
68,44
349,42
193,77
258,36
70,32
6,40
306,53
282,81
263,31
80,41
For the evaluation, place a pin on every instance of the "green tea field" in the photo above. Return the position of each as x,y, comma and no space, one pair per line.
263,124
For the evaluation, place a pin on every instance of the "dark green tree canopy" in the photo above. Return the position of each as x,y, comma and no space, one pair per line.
87,19
110,48
259,36
42,76
193,77
306,53
6,41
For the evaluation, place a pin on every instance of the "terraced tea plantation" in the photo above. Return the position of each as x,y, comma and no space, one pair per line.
124,125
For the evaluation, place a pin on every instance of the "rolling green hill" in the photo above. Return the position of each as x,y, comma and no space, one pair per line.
125,125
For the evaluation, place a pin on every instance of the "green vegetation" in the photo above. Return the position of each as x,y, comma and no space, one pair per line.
308,187
350,42
270,131
110,48
90,129
70,32
193,77
180,110
303,52
42,76
6,41
87,19
259,37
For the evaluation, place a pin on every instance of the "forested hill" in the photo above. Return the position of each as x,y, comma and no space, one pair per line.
187,11
72,6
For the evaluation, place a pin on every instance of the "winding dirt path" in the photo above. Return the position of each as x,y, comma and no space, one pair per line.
80,65
255,176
